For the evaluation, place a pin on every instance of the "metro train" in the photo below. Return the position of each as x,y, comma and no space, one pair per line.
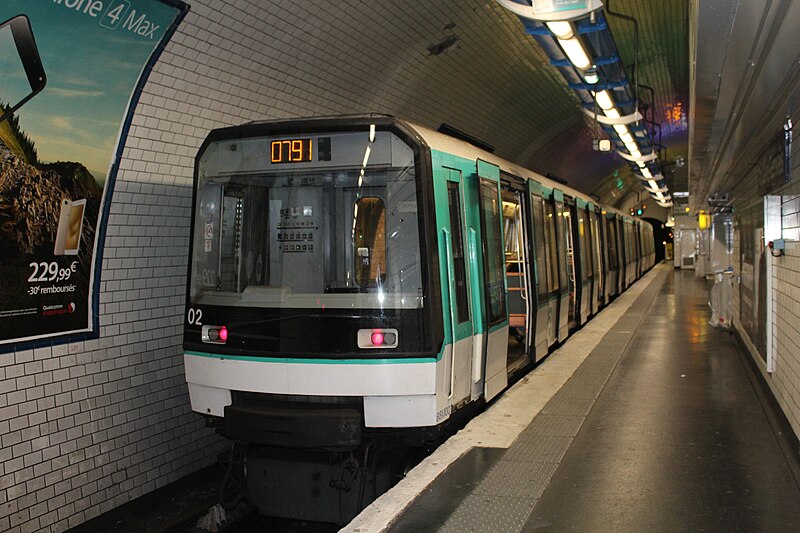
362,278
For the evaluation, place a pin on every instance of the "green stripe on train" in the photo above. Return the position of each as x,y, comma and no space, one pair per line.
306,361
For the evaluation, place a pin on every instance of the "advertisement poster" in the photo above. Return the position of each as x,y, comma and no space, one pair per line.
70,75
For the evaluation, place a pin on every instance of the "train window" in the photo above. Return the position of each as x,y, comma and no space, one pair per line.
583,236
626,239
369,236
613,258
596,256
590,239
492,253
457,251
561,244
629,243
550,243
337,232
539,233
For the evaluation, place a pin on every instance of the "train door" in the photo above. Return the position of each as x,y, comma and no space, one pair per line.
458,243
630,249
491,363
562,234
637,243
639,251
585,269
573,270
553,265
597,258
521,301
612,287
619,227
642,249
545,332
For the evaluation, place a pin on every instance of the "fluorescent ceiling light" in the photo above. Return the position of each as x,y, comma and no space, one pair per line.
641,164
612,113
575,52
653,184
659,195
603,99
622,129
646,174
627,138
635,153
561,28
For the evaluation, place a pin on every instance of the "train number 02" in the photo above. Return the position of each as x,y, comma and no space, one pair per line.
195,316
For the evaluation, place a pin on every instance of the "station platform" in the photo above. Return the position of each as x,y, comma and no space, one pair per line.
648,419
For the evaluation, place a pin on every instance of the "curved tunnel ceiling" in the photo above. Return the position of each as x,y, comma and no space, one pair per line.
465,63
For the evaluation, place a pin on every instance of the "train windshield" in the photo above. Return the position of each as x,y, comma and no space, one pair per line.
307,222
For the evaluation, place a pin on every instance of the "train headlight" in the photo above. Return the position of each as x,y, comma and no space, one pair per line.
377,338
214,334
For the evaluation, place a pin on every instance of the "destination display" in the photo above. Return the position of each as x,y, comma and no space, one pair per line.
299,150
291,151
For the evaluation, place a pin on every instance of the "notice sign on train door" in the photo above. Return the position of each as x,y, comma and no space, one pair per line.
71,72
209,232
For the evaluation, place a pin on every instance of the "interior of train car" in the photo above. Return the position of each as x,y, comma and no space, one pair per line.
562,257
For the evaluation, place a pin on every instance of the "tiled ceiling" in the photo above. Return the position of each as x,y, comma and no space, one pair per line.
512,98
467,63
724,73
663,71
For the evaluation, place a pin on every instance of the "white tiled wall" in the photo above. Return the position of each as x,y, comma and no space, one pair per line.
784,381
87,426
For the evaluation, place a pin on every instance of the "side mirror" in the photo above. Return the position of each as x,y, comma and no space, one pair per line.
21,71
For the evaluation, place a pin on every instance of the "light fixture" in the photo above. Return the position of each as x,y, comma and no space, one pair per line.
575,52
590,75
561,29
601,145
571,45
578,40
603,100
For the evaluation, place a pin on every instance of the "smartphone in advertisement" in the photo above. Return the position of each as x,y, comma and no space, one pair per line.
70,224
21,71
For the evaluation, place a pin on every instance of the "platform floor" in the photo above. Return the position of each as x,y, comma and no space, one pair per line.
663,426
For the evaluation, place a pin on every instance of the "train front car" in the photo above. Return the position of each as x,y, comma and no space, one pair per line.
309,318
